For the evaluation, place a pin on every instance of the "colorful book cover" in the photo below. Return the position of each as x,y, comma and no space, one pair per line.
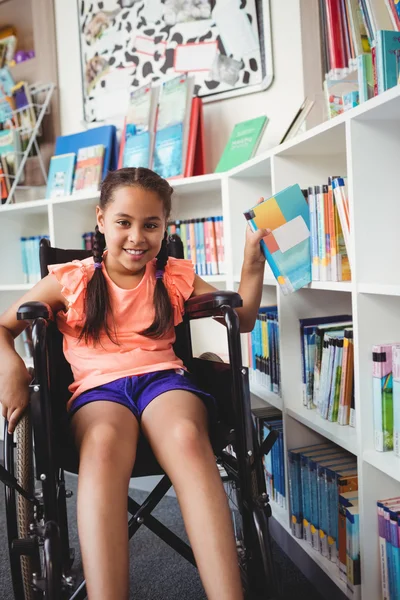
314,242
353,562
287,247
242,144
137,150
88,171
168,151
383,396
396,399
387,59
61,175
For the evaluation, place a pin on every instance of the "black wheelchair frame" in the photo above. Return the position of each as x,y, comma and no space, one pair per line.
44,542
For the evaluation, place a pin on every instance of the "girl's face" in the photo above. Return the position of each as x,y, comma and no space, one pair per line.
134,225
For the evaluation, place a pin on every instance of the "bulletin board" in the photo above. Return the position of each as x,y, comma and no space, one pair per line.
225,44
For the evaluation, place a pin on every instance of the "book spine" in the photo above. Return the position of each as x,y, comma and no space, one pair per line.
382,553
321,233
396,399
315,267
335,34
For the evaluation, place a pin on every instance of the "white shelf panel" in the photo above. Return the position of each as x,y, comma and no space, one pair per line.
32,207
280,514
333,286
377,288
197,185
343,435
266,395
259,166
76,198
16,287
387,462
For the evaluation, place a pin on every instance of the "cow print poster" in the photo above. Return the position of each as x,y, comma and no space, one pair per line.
129,43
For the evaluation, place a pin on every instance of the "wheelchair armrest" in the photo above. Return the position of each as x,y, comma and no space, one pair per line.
208,305
34,310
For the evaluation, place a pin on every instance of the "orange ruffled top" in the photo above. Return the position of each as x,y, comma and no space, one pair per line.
133,312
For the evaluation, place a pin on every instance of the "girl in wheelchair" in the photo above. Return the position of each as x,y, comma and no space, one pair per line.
117,312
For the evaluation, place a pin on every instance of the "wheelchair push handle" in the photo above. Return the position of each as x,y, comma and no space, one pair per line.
30,311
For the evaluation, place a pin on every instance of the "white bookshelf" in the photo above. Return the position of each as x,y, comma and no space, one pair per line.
363,144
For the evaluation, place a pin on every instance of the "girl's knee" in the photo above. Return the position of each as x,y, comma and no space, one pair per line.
189,437
102,443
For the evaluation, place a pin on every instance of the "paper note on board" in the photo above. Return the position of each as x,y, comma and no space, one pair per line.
195,57
236,33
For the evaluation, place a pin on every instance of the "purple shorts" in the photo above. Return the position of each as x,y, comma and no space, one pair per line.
137,392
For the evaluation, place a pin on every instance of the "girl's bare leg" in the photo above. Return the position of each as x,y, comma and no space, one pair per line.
175,424
106,434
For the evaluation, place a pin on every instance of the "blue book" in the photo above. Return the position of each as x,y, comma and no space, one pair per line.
287,247
61,175
137,151
387,59
168,151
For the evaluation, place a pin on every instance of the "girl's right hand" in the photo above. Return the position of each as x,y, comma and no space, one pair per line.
14,393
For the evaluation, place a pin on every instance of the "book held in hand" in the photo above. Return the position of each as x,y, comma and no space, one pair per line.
287,247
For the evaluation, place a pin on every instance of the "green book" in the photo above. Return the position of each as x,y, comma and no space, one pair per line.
242,144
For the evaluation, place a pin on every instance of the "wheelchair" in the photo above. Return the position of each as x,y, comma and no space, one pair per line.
41,450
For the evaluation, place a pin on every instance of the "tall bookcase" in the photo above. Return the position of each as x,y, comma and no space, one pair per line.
363,144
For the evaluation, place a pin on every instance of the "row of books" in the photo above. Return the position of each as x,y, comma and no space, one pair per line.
389,547
263,350
386,397
359,48
203,243
327,355
330,230
30,257
163,129
323,491
269,419
73,173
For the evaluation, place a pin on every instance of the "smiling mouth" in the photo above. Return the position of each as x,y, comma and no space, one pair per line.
134,252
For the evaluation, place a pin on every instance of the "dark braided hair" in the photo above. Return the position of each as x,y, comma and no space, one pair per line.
97,301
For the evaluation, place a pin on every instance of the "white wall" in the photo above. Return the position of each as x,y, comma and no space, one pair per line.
280,102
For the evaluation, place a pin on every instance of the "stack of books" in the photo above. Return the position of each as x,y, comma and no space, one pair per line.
386,397
73,173
330,230
328,367
203,243
359,45
323,492
263,350
30,257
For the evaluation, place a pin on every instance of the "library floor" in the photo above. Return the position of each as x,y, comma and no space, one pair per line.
157,572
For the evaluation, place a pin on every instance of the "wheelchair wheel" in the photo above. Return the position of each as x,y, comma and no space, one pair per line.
24,475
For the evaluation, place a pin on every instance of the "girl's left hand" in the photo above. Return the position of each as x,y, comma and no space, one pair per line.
253,255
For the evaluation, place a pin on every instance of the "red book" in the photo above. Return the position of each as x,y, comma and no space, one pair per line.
334,22
195,156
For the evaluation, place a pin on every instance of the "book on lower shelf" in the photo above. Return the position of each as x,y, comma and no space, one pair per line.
386,396
287,245
263,350
267,419
389,546
318,476
203,243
